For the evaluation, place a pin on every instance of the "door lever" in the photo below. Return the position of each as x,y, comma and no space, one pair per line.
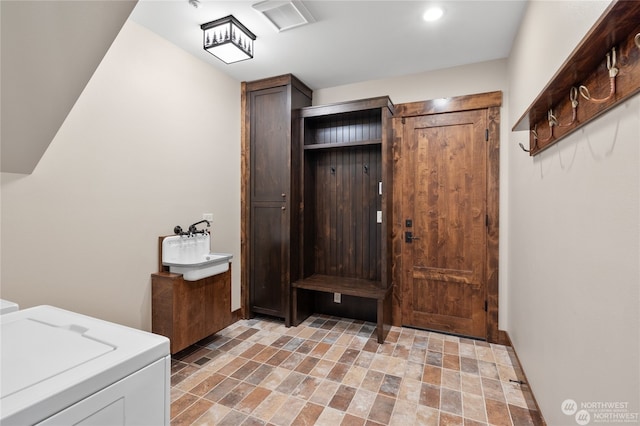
408,237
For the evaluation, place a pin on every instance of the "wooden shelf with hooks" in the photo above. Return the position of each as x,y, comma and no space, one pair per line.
587,66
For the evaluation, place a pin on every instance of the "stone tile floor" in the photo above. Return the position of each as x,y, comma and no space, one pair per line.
332,371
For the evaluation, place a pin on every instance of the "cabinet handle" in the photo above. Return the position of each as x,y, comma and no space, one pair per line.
283,195
283,208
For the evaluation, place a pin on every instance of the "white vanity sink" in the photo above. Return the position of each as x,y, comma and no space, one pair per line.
191,257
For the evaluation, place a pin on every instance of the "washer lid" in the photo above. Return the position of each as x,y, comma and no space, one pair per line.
7,306
52,358
27,341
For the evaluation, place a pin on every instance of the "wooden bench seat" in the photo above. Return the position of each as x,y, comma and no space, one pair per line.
351,287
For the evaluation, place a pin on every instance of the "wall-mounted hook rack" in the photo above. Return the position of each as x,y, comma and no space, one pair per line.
612,43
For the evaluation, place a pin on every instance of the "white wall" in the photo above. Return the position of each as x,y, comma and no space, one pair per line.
153,142
573,234
463,80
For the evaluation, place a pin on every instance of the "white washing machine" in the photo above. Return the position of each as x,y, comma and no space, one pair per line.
63,368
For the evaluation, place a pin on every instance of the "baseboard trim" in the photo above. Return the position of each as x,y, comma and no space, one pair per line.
236,315
505,340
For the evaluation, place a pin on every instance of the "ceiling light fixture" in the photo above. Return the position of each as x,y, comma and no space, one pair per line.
228,40
433,14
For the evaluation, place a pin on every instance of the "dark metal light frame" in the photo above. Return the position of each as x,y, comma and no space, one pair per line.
228,40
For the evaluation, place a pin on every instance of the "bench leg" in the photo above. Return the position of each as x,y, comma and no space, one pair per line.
294,306
380,328
383,318
380,322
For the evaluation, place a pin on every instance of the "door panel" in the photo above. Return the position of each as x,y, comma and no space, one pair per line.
268,259
444,195
270,146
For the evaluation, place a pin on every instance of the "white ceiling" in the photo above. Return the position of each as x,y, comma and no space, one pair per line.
350,41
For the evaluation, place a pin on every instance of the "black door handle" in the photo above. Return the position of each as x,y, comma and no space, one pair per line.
408,237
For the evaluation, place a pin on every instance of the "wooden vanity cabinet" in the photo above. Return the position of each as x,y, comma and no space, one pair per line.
270,204
189,311
346,230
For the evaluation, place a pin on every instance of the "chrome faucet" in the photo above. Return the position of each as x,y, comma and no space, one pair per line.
192,229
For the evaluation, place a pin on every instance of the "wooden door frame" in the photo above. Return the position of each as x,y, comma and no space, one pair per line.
491,102
245,205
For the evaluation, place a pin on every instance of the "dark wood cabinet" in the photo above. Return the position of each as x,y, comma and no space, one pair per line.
345,232
271,198
189,311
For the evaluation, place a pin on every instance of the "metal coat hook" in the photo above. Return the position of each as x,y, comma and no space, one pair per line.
333,170
553,121
535,144
366,169
573,96
613,72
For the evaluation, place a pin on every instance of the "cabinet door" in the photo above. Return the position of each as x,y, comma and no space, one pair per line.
189,313
270,144
217,296
269,257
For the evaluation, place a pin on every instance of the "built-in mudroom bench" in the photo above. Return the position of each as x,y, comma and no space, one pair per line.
345,227
350,287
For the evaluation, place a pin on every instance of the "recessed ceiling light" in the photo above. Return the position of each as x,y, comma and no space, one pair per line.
433,14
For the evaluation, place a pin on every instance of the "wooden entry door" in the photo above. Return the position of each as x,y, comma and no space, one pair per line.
444,203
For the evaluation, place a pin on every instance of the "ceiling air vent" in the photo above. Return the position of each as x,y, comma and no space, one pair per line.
284,15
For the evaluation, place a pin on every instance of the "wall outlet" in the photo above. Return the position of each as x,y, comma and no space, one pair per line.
337,297
207,216
379,216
